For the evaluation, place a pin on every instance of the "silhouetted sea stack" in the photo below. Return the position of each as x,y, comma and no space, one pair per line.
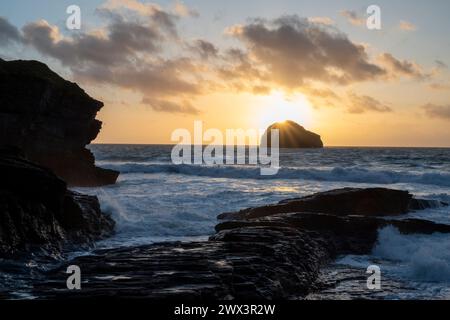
293,135
51,120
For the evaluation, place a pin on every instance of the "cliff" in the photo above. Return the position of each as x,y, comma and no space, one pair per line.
51,120
39,214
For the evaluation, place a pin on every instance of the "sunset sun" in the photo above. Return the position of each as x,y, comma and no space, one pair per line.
279,107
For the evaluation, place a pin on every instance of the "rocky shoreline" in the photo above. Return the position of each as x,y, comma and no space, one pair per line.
45,124
271,256
39,212
273,252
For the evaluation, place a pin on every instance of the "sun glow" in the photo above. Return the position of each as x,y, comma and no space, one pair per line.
278,107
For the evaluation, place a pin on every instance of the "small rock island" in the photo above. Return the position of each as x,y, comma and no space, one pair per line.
293,135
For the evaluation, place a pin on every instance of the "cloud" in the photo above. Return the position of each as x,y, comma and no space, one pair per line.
399,68
407,26
298,55
363,103
128,52
292,51
322,97
322,20
182,10
261,90
441,64
353,17
162,78
239,67
439,86
134,5
133,10
138,48
184,107
8,33
437,111
204,49
123,40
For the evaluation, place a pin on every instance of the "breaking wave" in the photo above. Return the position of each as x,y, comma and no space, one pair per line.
349,174
423,258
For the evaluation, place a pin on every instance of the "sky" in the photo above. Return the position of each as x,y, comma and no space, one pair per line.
161,65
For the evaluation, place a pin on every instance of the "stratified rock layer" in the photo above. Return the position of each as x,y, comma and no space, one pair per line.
253,263
38,212
292,135
51,120
275,255
346,201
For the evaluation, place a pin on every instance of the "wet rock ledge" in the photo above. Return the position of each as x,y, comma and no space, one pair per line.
272,252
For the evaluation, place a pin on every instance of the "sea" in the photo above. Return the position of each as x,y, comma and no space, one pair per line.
155,200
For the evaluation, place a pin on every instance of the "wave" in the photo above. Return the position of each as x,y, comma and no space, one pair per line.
422,258
346,174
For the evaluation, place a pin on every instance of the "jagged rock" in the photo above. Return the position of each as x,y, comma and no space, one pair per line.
247,264
421,204
51,120
259,257
346,201
37,210
293,135
342,234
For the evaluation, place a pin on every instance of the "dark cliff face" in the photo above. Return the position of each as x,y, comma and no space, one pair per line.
51,120
293,135
38,212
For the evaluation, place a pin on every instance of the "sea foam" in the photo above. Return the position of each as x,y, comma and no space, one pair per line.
420,257
345,174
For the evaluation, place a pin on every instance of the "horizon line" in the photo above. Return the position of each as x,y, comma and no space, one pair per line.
324,147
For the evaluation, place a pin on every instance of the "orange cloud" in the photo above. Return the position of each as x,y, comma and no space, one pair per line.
407,26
